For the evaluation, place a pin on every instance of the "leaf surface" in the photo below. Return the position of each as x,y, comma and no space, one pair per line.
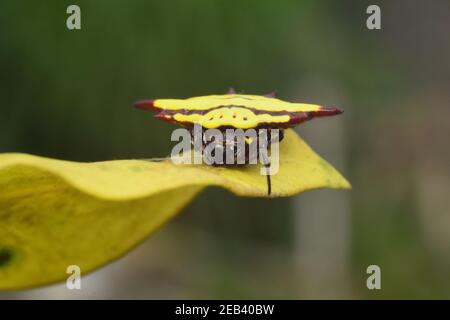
56,213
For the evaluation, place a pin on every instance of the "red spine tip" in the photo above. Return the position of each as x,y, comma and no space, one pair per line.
272,94
328,111
163,116
145,104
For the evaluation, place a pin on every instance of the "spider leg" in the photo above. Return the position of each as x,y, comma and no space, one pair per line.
266,164
269,184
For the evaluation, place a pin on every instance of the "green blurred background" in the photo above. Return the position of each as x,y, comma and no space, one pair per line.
69,94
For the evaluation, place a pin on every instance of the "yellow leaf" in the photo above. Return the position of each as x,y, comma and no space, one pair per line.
56,213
